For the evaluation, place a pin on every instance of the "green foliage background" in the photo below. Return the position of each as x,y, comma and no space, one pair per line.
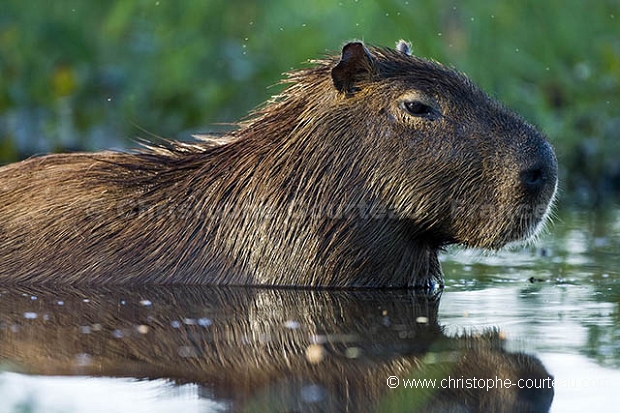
90,74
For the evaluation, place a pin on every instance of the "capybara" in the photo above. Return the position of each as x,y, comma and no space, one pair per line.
364,167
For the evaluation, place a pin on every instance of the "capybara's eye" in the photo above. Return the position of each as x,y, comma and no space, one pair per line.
417,108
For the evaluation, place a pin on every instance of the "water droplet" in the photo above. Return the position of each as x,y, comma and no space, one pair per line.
517,50
30,315
318,339
492,16
353,352
186,351
473,19
315,353
312,393
292,324
83,360
142,329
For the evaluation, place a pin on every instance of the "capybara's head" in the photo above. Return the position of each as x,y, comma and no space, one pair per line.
451,163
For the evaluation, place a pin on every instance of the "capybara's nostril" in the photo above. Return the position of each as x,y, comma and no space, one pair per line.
533,179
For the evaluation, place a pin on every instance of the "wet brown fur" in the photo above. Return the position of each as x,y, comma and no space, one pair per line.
328,185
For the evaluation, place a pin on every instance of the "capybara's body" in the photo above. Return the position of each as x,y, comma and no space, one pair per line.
355,176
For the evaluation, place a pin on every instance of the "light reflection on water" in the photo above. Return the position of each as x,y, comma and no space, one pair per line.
51,394
557,301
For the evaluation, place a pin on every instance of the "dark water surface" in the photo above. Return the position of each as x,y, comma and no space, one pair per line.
513,319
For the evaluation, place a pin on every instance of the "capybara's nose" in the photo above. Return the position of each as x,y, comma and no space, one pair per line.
537,166
539,175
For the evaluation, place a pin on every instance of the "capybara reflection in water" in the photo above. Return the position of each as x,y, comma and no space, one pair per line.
354,176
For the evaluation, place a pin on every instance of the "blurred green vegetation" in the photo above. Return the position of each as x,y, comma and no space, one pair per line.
83,74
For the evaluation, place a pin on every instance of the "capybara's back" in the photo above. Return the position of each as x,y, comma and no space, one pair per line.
354,176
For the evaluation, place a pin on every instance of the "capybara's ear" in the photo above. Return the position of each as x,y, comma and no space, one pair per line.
356,64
